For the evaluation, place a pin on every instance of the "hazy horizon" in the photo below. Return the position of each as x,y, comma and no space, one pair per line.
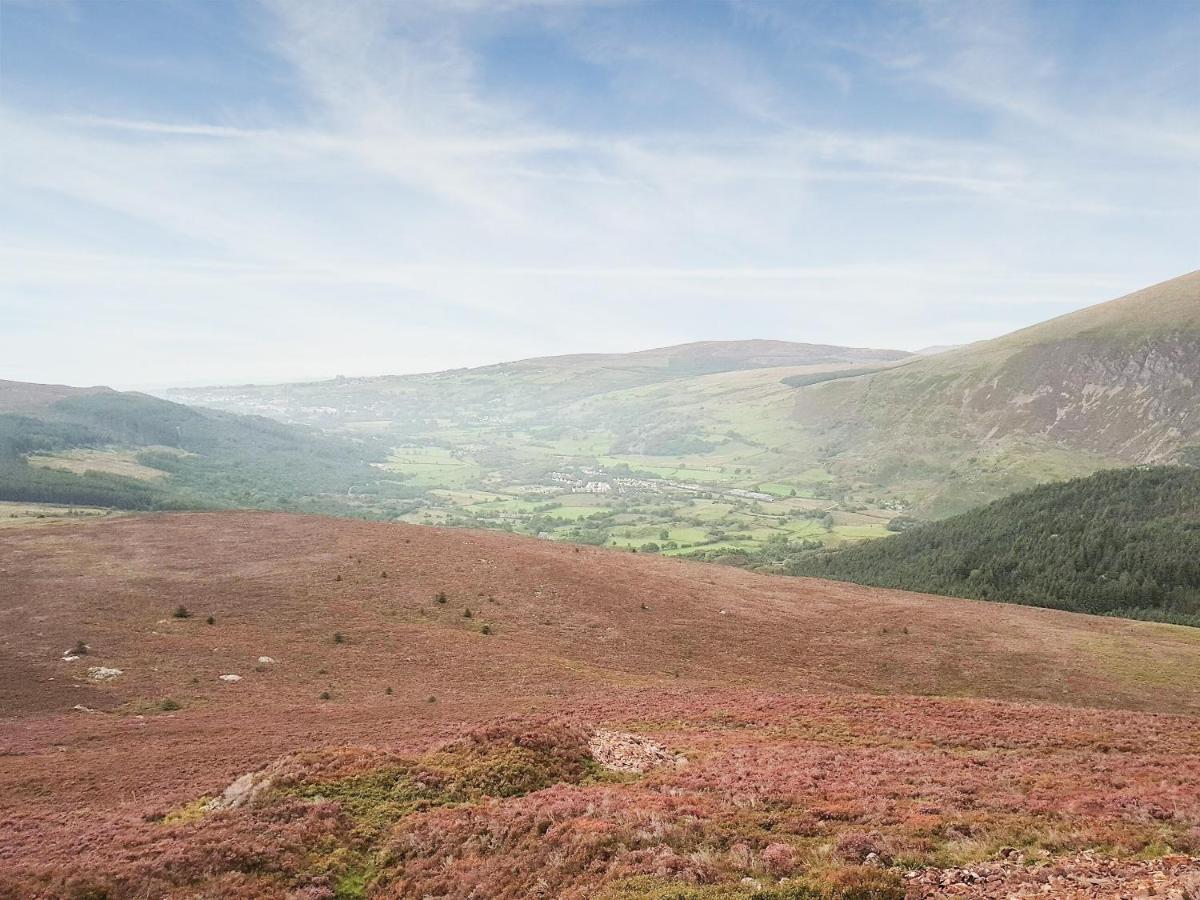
256,192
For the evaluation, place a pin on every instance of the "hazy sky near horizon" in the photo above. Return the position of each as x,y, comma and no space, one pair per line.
208,191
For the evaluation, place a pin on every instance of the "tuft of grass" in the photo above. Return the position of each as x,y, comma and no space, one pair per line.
440,597
169,705
211,621
339,638
190,812
325,695
182,612
486,629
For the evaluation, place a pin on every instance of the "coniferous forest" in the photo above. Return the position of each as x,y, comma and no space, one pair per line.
1124,542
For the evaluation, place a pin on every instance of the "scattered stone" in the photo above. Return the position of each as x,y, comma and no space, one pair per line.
79,707
620,751
265,660
231,678
103,673
70,658
1083,876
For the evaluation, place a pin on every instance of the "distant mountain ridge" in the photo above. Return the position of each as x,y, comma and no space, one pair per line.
1112,385
522,387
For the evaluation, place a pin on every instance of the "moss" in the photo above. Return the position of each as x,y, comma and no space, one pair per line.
356,882
377,798
463,774
191,812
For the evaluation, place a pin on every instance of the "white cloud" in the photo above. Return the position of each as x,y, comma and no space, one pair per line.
414,216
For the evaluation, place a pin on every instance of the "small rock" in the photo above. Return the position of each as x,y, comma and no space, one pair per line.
103,673
79,707
70,658
231,678
265,660
245,789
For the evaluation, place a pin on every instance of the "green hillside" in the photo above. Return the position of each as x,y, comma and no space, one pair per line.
133,451
1124,542
1111,385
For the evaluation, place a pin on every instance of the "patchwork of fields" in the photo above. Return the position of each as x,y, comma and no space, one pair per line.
669,505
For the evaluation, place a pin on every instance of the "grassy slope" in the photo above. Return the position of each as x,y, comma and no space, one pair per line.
792,699
1110,384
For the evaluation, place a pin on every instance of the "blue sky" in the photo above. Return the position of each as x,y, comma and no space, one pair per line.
211,191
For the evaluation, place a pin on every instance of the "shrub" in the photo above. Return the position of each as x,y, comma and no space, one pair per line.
339,638
779,859
441,597
383,574
856,846
325,695
80,649
182,612
467,613
388,691
486,629
211,621
169,705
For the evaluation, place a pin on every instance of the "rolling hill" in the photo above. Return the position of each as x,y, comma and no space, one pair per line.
99,447
532,389
779,737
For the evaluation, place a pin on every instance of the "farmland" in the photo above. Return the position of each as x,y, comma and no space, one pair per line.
652,504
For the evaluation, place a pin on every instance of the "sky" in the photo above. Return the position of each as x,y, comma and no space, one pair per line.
217,191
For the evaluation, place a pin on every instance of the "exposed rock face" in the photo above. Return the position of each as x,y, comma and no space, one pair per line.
103,673
1137,402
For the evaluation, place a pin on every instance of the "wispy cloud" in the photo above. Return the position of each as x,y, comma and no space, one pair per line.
901,178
